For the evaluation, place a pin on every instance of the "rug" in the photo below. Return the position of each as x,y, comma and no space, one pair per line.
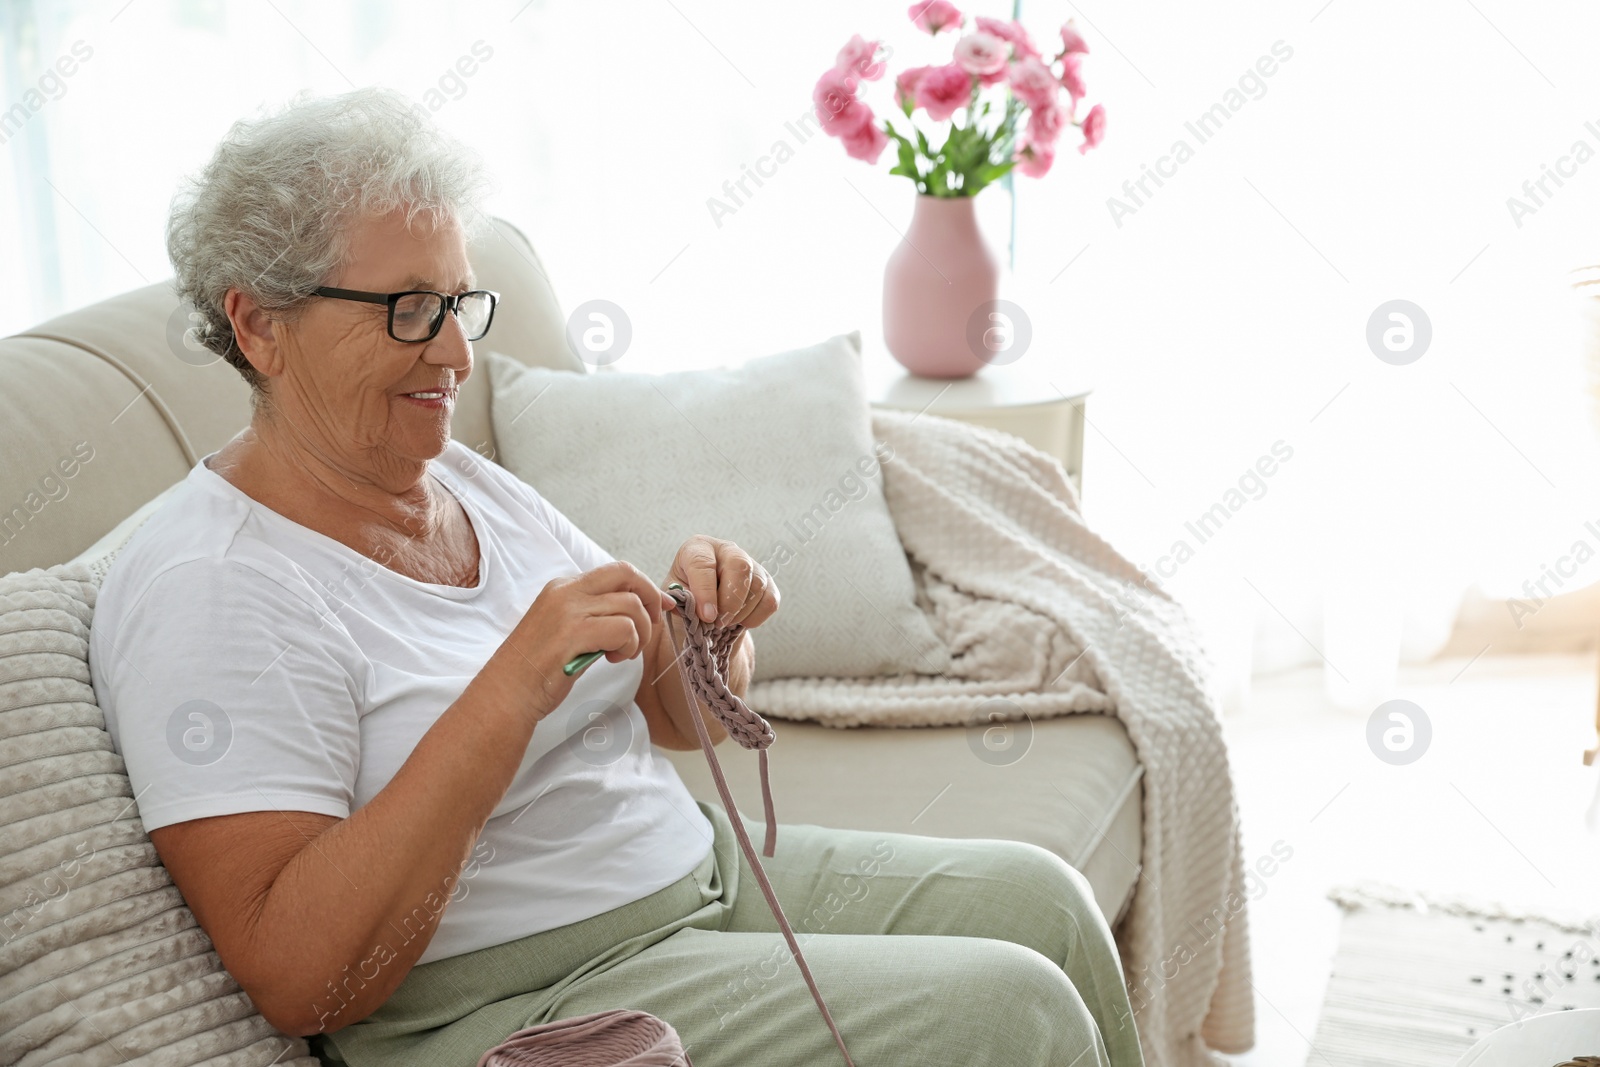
1419,979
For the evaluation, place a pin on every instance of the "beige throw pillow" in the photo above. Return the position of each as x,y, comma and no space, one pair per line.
776,455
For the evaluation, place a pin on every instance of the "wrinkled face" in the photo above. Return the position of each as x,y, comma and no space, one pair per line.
345,380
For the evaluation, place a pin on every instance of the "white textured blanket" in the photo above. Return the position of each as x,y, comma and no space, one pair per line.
1039,610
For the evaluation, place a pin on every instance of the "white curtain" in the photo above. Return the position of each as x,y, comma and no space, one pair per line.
1221,313
1229,312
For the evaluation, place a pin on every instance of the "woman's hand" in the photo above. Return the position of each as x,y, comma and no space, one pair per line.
728,586
613,608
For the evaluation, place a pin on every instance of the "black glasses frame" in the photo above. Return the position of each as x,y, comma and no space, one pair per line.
447,305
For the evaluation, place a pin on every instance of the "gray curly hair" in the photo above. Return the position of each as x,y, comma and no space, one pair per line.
270,213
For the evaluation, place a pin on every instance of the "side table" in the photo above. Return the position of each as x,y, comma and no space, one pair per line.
1044,409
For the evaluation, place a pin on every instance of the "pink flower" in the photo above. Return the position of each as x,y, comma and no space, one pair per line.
1032,83
838,110
832,88
856,57
1045,124
944,91
1011,32
931,16
1033,158
1094,128
867,142
905,85
1071,40
854,116
841,114
1072,77
980,54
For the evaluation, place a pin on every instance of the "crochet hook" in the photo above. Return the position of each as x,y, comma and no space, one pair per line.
576,664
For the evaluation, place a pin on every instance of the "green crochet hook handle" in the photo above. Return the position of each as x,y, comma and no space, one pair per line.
576,664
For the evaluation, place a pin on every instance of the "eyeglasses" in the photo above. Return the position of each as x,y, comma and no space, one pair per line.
417,314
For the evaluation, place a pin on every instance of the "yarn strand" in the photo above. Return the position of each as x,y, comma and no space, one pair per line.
703,668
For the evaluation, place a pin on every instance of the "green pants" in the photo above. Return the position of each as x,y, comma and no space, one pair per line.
928,951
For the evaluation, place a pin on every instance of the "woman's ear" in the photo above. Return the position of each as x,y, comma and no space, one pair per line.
253,333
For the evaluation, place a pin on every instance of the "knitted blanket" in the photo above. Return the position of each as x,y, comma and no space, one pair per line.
1040,611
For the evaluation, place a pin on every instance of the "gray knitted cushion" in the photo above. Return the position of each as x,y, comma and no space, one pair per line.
101,963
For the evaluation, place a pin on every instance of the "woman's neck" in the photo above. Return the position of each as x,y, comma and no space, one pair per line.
321,489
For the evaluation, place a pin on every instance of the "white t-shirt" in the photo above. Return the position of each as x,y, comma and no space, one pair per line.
247,663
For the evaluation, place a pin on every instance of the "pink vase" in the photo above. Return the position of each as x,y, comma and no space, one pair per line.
942,274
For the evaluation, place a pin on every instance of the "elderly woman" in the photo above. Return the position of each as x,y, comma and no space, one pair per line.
333,664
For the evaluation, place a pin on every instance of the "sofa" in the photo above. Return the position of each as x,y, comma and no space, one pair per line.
117,382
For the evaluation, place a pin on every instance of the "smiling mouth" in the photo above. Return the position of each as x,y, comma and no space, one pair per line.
432,394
